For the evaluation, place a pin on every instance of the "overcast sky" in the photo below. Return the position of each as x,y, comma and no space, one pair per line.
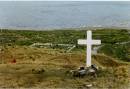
64,0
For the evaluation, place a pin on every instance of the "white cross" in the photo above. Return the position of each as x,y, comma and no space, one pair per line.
89,42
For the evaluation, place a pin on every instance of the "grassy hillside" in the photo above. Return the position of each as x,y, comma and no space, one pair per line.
15,45
56,64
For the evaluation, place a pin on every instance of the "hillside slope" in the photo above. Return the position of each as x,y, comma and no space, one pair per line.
55,63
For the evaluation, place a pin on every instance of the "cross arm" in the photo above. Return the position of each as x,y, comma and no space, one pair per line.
96,42
82,42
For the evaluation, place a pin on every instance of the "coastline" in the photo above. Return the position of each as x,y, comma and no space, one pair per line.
67,28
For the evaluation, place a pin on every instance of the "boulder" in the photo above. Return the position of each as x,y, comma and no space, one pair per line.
82,71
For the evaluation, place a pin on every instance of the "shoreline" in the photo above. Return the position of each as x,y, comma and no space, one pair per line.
67,28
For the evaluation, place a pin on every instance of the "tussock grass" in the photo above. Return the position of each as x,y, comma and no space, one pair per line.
56,65
107,61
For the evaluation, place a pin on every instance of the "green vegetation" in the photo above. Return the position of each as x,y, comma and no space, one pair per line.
112,39
117,51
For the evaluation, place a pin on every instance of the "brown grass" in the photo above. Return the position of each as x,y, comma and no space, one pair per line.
55,63
107,61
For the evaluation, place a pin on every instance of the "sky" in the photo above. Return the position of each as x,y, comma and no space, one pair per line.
64,0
